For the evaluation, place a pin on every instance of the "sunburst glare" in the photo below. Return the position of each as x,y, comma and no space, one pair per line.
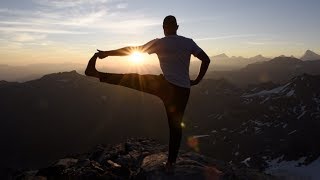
136,57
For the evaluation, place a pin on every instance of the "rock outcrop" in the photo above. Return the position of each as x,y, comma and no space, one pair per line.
137,159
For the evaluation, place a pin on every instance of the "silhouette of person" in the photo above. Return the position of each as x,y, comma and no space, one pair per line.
172,87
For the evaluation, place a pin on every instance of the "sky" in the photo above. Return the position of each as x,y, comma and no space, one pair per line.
70,31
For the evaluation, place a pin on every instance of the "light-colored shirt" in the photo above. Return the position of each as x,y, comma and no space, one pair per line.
174,53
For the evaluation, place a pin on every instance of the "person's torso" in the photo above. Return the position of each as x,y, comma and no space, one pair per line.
174,54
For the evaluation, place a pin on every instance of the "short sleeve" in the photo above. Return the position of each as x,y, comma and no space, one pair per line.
195,49
150,47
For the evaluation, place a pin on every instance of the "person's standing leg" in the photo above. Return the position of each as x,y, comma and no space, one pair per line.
175,110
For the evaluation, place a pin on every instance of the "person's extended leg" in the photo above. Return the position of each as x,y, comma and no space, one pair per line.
145,83
91,67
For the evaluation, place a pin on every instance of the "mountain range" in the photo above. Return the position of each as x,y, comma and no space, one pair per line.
308,55
221,57
264,116
220,62
68,112
277,70
268,126
262,126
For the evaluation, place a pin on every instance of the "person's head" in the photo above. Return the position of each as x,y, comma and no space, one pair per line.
170,25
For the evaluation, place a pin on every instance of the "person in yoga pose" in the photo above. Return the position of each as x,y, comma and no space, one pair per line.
172,87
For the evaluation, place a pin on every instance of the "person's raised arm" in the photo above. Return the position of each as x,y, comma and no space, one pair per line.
146,48
118,52
205,61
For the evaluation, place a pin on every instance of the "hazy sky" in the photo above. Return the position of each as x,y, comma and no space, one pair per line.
49,31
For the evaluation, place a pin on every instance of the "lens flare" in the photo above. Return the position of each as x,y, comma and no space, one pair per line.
136,57
193,143
183,125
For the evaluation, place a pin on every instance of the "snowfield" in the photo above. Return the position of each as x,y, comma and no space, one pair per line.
293,170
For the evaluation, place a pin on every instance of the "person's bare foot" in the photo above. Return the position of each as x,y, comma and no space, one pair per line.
169,167
91,69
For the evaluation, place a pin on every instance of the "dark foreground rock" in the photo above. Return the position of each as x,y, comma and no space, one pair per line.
137,159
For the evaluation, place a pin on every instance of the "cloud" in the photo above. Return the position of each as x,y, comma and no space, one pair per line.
53,20
75,17
39,30
256,43
122,5
47,21
15,23
25,37
48,17
130,25
225,37
82,20
12,12
274,42
68,3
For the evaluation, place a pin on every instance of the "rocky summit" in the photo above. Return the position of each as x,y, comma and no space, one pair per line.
137,159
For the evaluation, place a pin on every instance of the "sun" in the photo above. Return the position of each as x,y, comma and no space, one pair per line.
136,57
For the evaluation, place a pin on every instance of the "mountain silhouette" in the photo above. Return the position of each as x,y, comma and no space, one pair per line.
258,58
221,56
235,59
263,123
223,62
310,55
277,70
67,112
